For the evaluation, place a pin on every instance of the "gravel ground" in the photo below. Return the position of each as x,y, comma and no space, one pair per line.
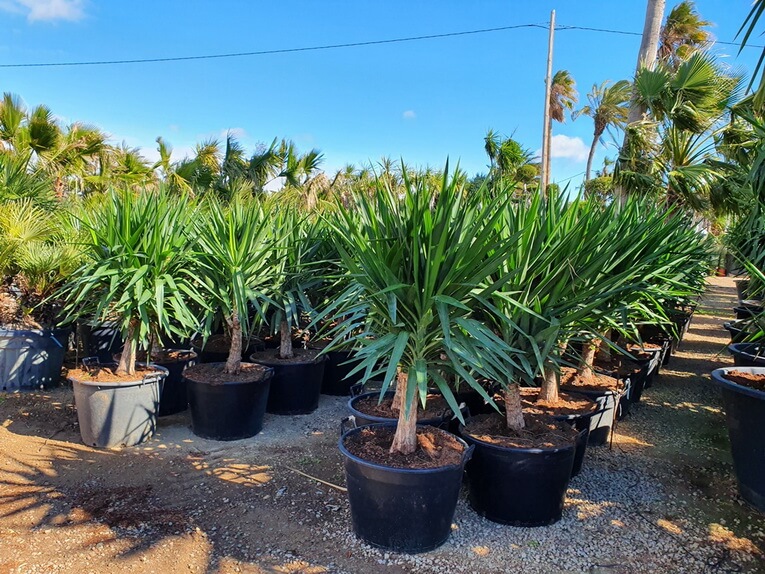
662,498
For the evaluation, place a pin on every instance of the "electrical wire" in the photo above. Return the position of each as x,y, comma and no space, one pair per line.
275,51
331,47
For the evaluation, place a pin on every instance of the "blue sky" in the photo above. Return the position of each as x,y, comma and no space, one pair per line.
422,101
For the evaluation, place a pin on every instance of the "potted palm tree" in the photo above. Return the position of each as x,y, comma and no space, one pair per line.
233,250
418,256
137,272
298,373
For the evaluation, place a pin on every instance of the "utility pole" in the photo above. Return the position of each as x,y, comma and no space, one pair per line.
546,135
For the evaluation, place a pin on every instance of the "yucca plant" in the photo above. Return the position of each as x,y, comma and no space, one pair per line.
418,259
138,269
234,253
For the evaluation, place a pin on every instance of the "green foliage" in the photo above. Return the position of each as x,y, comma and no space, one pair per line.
139,267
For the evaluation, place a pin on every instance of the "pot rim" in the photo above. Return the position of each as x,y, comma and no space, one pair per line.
317,360
466,453
116,356
381,420
269,374
518,449
717,377
37,332
149,380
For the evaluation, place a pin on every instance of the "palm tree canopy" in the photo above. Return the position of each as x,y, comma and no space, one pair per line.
682,34
609,105
563,95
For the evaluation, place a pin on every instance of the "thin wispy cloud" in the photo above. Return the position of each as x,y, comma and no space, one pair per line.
409,115
46,10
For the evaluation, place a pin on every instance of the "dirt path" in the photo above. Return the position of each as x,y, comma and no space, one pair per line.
662,499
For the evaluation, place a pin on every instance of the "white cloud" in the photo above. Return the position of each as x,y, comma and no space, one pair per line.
568,147
46,10
409,115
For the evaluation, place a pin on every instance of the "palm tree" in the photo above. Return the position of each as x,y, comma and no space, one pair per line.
682,34
608,107
563,98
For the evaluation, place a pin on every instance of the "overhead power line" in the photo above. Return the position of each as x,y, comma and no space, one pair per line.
276,51
326,47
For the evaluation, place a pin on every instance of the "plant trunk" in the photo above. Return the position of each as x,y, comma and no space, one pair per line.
405,439
285,341
127,357
590,157
513,407
586,367
549,391
234,361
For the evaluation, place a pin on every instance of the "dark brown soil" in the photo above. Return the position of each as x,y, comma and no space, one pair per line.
212,373
635,349
435,407
751,380
540,432
570,378
567,404
101,374
271,357
435,449
163,356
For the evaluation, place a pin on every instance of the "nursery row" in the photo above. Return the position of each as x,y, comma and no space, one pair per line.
539,317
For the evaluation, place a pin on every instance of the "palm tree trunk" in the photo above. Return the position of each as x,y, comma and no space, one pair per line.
549,390
405,439
285,341
126,365
513,407
234,361
590,157
587,366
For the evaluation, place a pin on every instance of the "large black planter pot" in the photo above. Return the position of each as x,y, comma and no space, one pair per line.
745,414
747,354
580,422
521,487
747,311
101,341
742,289
31,359
227,410
602,421
118,414
174,398
336,380
296,386
399,509
738,330
363,419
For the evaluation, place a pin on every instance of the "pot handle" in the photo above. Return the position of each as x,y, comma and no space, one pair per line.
55,340
468,454
345,422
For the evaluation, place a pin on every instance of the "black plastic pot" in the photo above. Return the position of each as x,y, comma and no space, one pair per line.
208,356
747,354
737,329
296,387
31,359
365,419
400,509
228,410
101,341
742,289
521,487
580,422
745,414
336,380
638,379
174,398
747,311
602,421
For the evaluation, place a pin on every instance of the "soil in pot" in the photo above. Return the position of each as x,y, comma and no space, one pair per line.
116,410
435,408
225,406
403,503
296,386
519,478
751,380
